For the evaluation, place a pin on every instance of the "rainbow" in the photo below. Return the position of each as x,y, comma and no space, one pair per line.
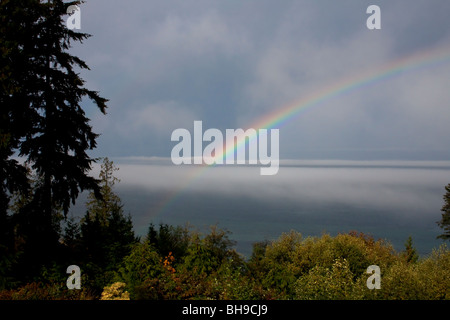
281,116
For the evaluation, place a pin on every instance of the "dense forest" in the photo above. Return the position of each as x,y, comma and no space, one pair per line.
45,138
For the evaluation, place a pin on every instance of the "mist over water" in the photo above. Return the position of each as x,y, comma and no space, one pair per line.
388,200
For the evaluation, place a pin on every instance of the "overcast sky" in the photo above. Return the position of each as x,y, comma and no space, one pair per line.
164,64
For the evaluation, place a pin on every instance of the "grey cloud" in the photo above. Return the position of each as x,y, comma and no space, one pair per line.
229,62
399,186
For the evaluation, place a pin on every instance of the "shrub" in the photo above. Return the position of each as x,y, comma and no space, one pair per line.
327,283
116,291
46,291
292,261
139,268
434,273
401,282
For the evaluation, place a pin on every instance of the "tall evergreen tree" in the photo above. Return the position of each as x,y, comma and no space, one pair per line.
42,118
106,233
13,110
61,135
444,223
71,237
410,252
102,208
174,239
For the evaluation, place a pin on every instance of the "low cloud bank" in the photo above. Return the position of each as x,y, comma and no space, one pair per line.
407,186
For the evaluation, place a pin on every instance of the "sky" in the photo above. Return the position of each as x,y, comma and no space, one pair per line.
228,63
378,146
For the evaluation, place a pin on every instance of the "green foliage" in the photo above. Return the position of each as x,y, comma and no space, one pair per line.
101,208
402,281
290,267
292,257
209,268
105,235
46,291
140,268
206,254
174,239
435,273
116,291
410,252
230,283
321,283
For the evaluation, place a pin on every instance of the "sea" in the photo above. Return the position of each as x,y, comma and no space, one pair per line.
389,200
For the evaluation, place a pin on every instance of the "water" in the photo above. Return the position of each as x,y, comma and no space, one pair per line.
251,220
389,201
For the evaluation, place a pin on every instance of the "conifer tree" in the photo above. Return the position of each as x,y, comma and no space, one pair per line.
71,237
43,121
109,202
41,117
410,252
46,122
106,233
444,223
13,110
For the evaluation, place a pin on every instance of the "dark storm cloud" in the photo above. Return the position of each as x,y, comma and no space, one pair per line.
163,64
